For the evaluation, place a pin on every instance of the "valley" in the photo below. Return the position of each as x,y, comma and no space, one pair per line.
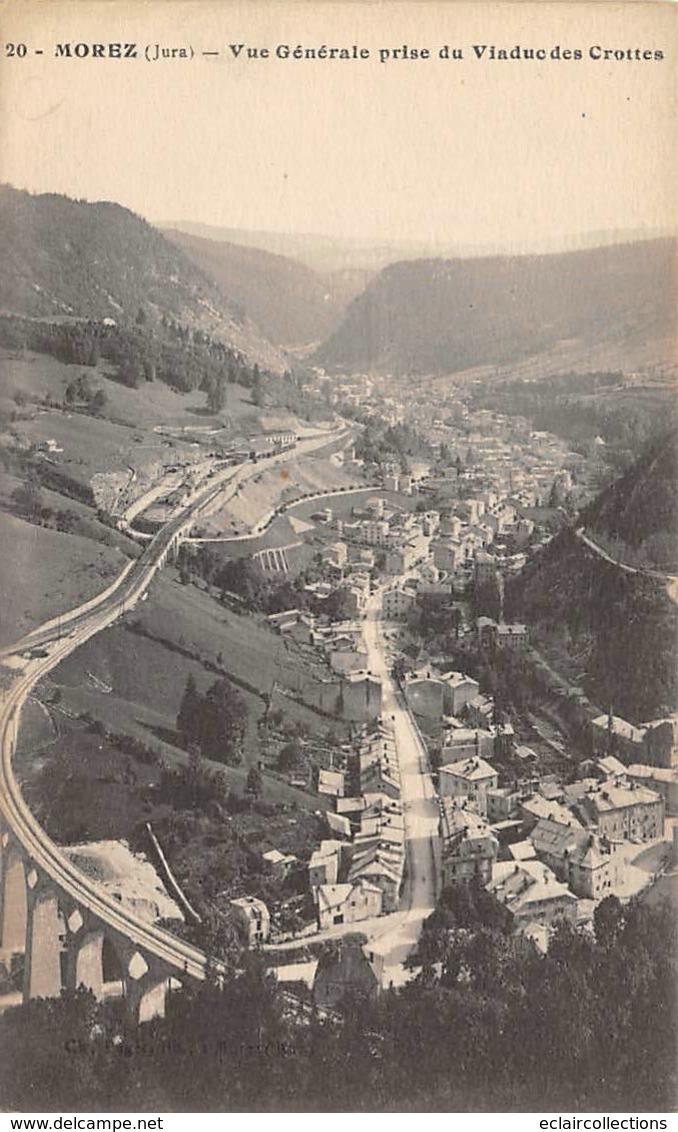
339,618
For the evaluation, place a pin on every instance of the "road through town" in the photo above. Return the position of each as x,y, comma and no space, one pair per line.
420,806
391,938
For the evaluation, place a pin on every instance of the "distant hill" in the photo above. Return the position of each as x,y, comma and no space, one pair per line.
329,254
324,254
439,316
62,257
293,304
589,616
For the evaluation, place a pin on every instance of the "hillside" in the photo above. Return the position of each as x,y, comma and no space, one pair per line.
292,303
614,631
640,509
63,257
443,316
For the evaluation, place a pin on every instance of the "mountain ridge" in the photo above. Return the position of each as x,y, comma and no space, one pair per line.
292,303
437,316
66,257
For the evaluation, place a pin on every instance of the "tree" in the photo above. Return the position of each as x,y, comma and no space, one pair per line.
98,402
288,757
28,499
223,715
216,396
608,920
257,387
255,782
188,723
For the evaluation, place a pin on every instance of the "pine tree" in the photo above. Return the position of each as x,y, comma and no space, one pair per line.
188,718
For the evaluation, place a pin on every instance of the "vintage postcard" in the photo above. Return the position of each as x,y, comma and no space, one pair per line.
338,560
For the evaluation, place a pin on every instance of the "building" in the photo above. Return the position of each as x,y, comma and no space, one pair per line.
484,567
323,865
424,692
583,861
535,807
253,919
614,736
278,864
466,742
480,711
468,781
493,634
661,742
397,602
375,532
502,803
400,559
469,848
383,868
378,763
532,893
335,554
279,621
625,813
651,744
361,695
344,971
459,690
347,903
332,783
662,780
448,554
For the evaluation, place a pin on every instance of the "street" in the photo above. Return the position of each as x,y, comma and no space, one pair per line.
420,808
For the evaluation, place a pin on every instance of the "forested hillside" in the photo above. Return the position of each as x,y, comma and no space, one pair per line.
640,510
619,629
69,258
292,303
442,316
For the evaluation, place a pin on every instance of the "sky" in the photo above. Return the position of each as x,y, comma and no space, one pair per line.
477,152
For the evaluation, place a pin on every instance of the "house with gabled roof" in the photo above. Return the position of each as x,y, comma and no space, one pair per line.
467,781
348,903
577,856
532,893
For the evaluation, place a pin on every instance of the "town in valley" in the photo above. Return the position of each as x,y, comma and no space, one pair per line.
339,694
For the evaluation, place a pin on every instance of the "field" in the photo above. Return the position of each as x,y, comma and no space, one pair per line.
154,403
132,676
137,429
45,572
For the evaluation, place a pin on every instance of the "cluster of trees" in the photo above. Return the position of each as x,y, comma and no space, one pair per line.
489,1024
432,621
29,502
80,391
213,722
182,357
244,579
378,443
194,786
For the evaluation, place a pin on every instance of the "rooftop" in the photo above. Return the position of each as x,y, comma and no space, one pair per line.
472,770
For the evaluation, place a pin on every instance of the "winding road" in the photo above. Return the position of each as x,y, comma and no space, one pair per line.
670,580
31,658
